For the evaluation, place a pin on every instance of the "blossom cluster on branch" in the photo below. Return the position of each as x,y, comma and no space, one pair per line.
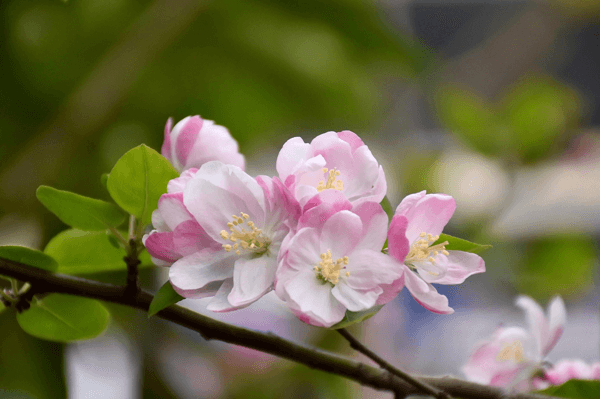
314,233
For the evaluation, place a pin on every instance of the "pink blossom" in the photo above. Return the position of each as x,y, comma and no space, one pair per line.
513,356
332,161
565,370
195,141
416,225
176,233
248,219
336,265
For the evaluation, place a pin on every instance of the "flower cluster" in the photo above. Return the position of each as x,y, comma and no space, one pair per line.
314,233
514,358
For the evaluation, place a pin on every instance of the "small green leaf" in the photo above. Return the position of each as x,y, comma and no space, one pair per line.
387,207
575,389
80,212
29,257
355,317
80,252
138,179
104,180
166,296
458,244
64,318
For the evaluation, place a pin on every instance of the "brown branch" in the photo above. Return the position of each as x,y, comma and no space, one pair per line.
423,386
48,282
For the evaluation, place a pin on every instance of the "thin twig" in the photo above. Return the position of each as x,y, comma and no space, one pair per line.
48,282
424,387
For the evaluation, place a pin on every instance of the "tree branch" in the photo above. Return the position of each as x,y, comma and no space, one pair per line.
423,386
48,282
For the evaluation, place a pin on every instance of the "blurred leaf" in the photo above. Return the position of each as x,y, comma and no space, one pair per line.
2,307
29,367
471,118
539,110
138,180
557,266
64,318
80,212
575,389
356,317
29,257
458,244
166,296
81,252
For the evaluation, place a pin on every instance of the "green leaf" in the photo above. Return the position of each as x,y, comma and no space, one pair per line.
29,257
138,179
2,307
80,252
166,296
356,317
80,212
574,389
64,318
458,244
387,207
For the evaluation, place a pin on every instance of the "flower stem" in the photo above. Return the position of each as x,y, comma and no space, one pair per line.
426,388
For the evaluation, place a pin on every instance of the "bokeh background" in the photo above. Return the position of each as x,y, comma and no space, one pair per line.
496,103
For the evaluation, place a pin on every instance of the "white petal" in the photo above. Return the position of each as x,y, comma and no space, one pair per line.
220,303
461,265
340,234
252,278
201,268
538,325
355,300
558,318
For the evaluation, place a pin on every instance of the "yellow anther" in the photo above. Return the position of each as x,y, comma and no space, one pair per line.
431,260
331,181
445,252
329,270
347,274
423,234
245,235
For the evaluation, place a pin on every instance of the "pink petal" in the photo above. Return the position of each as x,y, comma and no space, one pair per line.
321,207
340,234
177,185
200,269
188,133
351,138
303,250
461,265
360,177
369,269
538,325
429,214
190,237
160,245
390,291
291,155
398,244
426,294
252,278
375,222
214,143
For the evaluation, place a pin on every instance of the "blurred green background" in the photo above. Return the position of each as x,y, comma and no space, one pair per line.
494,103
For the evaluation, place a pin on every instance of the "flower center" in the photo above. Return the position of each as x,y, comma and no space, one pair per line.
245,238
331,181
512,351
328,270
422,250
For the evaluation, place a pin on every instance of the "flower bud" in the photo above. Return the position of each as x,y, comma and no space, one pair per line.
194,141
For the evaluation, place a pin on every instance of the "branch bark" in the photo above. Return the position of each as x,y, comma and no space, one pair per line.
48,282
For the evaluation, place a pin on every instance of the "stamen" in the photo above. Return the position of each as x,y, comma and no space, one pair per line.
246,237
329,270
422,250
512,351
331,181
